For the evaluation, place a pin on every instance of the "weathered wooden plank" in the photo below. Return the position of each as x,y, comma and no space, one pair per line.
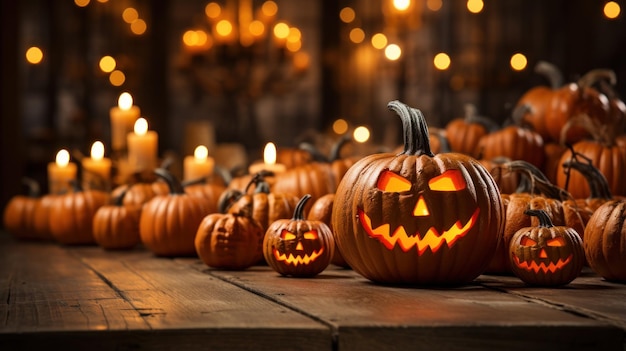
588,295
171,296
44,288
368,316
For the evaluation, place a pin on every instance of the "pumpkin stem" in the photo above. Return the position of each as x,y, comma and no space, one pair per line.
335,151
313,151
175,186
471,116
119,199
536,180
550,71
227,199
33,187
544,219
298,212
597,75
415,130
517,115
258,180
598,185
602,133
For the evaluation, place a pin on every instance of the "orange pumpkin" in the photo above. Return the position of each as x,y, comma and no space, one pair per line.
20,212
605,241
116,226
168,223
464,134
322,211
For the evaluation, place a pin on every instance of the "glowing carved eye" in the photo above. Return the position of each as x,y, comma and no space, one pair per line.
285,235
556,242
391,182
526,241
450,180
312,235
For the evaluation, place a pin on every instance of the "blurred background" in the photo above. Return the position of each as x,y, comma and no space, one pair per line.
236,74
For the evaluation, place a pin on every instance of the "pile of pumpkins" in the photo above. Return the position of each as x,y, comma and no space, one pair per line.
416,216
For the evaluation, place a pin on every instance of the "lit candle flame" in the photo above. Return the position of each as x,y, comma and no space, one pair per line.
269,154
97,151
141,126
201,153
63,158
125,101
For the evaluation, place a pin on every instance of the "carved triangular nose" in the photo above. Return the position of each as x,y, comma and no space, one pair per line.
299,247
543,254
421,209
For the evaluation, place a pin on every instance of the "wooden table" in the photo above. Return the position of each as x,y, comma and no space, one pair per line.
84,297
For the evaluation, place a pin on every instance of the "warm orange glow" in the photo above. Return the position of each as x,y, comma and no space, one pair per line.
130,15
611,10
432,239
441,61
361,134
63,158
347,15
392,182
556,242
34,55
294,35
141,126
97,151
256,28
293,46
545,268
357,35
117,78
212,10
340,126
401,5
379,41
224,28
125,101
526,241
287,235
475,6
107,64
450,180
311,235
421,209
434,5
138,27
518,62
269,154
81,3
297,259
269,8
393,52
301,61
281,30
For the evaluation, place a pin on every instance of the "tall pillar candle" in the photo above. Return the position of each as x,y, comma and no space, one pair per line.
96,169
142,147
123,118
199,165
61,173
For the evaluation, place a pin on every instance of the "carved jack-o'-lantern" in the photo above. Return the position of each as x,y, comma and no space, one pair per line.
298,247
546,255
417,217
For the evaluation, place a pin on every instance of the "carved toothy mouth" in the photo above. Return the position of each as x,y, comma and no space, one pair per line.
298,259
533,266
432,239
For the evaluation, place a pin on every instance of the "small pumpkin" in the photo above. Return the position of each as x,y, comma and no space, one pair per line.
265,206
398,218
168,223
206,189
546,255
322,210
140,192
71,215
229,241
464,134
20,213
116,226
298,247
605,241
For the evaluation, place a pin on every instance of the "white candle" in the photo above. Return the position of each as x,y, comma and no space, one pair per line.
61,173
142,147
199,165
122,118
269,162
96,169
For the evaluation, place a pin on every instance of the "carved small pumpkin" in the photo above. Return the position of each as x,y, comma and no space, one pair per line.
605,241
402,218
546,255
229,241
116,226
298,247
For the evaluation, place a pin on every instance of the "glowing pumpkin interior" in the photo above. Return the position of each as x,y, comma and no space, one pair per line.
298,249
542,262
